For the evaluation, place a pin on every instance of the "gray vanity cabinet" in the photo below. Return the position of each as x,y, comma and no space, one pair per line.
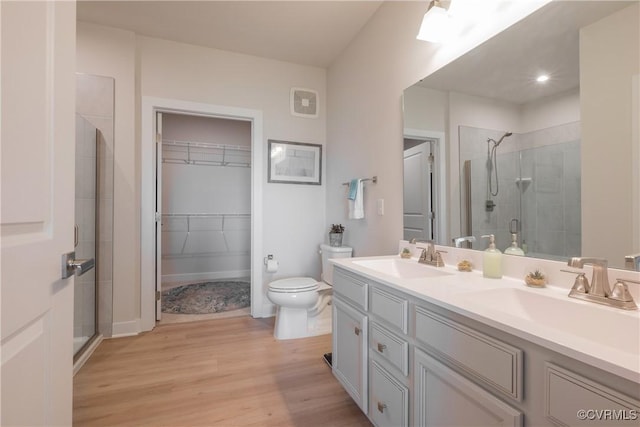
350,336
409,362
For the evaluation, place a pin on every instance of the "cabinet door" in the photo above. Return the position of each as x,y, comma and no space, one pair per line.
389,399
349,361
445,398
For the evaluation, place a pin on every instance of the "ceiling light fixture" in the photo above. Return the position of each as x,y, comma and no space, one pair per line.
436,24
542,78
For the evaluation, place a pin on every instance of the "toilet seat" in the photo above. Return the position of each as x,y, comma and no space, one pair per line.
294,285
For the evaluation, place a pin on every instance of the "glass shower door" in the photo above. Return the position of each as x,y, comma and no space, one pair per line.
86,208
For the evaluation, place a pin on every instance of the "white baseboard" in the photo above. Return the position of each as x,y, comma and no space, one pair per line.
126,329
268,310
211,275
86,354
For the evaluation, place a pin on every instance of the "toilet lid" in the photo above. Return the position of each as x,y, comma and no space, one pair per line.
294,284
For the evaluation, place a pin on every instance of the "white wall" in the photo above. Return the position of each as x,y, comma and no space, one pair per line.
609,60
425,109
551,111
365,124
182,127
143,66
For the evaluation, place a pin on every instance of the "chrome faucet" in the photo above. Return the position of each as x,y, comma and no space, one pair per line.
457,241
430,255
599,291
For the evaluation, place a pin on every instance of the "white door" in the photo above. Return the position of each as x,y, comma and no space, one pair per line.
418,189
37,211
158,215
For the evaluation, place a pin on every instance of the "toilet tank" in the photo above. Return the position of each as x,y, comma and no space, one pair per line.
327,252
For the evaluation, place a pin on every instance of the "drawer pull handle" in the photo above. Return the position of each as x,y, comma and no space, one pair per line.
357,330
381,406
381,347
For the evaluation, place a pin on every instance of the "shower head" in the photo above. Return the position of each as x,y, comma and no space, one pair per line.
503,137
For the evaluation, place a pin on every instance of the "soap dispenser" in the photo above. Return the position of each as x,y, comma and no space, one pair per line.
514,249
492,259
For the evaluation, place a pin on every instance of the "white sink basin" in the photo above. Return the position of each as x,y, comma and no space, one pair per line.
610,327
401,268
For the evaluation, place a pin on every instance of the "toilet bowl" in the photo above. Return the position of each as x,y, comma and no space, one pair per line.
303,303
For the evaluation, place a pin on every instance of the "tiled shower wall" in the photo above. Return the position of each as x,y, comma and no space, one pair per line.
85,220
95,102
538,184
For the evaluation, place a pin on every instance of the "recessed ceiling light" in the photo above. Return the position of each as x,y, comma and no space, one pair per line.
542,78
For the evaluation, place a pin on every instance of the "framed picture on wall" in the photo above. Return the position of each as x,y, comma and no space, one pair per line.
295,162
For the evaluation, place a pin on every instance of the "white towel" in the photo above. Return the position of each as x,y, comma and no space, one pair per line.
356,206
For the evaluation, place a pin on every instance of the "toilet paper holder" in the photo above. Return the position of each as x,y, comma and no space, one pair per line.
271,264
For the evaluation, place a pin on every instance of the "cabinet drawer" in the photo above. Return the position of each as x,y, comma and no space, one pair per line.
566,394
390,308
391,347
389,399
443,397
488,360
352,287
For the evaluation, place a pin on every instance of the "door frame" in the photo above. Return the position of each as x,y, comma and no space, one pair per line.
151,105
439,174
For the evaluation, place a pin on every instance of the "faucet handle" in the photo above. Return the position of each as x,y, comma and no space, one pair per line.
438,258
581,284
620,292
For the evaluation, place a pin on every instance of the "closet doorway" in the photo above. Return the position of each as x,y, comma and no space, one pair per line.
150,269
203,201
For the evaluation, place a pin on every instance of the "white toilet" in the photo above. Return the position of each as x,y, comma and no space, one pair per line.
303,304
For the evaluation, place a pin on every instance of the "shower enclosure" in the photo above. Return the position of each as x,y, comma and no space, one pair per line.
529,185
85,235
93,212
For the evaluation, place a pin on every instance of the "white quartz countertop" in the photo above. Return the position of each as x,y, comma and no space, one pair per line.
605,337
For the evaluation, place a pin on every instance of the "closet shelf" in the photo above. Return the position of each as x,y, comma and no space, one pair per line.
206,215
205,153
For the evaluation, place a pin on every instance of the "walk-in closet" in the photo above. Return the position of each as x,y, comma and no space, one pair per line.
204,201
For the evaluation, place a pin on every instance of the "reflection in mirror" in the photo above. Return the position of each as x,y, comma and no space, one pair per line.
524,184
564,179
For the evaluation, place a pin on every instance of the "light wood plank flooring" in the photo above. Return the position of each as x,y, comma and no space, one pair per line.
223,372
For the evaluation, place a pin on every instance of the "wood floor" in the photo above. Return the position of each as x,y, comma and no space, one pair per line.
223,372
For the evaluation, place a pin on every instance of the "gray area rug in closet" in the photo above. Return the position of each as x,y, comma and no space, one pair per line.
209,297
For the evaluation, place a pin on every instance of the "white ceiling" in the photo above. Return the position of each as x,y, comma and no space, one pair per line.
303,32
505,67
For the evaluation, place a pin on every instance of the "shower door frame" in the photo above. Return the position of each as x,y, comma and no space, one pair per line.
96,337
151,105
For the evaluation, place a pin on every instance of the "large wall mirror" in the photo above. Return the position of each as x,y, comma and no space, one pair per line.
554,162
